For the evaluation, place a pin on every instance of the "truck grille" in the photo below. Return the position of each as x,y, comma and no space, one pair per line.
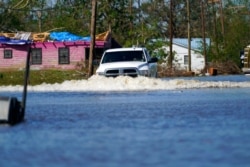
133,72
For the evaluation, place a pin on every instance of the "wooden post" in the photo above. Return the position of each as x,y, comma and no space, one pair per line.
204,36
189,38
92,44
171,36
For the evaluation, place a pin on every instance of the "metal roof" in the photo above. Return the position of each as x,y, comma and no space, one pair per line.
196,43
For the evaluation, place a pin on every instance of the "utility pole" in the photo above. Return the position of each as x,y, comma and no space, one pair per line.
131,13
92,44
213,2
222,19
171,36
39,16
204,35
189,39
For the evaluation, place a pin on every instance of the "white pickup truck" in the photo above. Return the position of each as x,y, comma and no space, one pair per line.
134,61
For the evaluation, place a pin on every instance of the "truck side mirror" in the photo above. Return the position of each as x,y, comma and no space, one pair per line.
153,60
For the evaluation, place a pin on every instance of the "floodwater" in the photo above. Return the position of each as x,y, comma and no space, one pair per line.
131,122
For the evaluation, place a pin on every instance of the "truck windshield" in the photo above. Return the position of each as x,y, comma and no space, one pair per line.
121,56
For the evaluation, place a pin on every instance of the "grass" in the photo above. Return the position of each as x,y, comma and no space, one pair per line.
37,77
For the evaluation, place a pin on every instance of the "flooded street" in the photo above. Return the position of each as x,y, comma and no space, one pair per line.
131,122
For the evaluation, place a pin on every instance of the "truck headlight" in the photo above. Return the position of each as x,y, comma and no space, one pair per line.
100,73
144,72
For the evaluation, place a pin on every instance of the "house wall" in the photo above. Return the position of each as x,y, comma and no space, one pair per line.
18,60
197,59
50,57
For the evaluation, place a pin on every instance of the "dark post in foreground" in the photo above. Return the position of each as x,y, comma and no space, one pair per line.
12,111
92,44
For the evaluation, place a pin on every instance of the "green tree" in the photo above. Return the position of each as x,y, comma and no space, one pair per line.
114,16
11,18
135,22
230,32
74,16
237,30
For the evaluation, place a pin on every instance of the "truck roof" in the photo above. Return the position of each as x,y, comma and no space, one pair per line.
126,49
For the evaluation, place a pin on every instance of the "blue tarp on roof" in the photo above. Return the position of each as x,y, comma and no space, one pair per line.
66,36
5,40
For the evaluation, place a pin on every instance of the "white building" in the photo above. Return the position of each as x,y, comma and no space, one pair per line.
180,50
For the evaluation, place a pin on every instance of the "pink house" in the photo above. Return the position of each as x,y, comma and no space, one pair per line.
51,54
13,56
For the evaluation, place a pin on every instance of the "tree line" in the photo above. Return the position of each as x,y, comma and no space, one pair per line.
136,22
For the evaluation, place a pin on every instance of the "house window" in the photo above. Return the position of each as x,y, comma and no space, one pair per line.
8,54
63,54
36,56
185,59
